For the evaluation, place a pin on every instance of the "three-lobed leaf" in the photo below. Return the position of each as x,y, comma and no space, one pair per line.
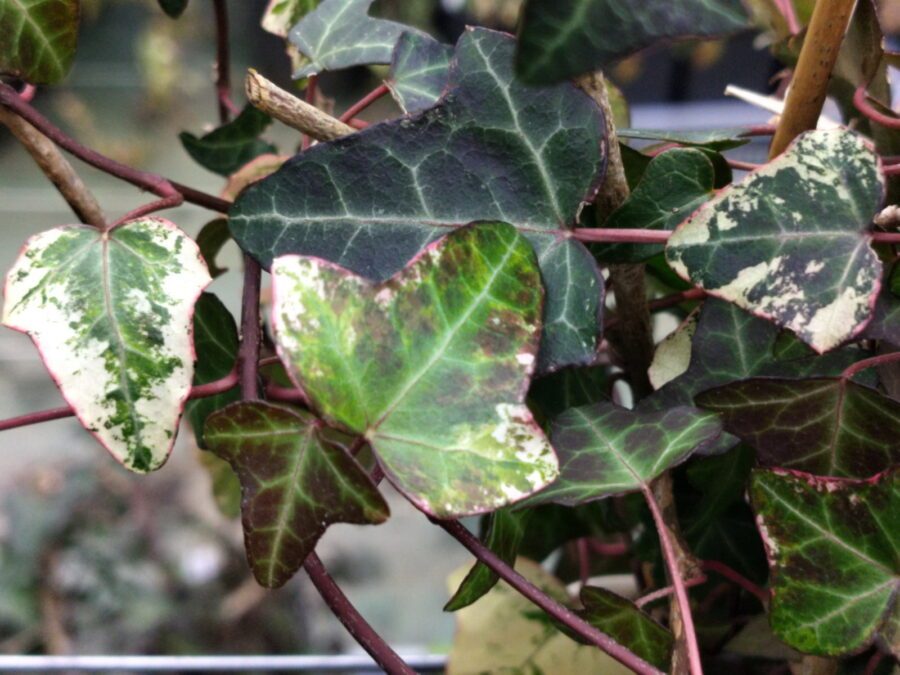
431,366
38,38
372,200
229,147
294,481
111,313
790,242
832,547
420,71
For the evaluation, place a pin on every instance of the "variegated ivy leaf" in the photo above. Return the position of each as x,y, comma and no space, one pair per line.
295,483
606,450
282,15
562,38
38,38
832,547
789,243
111,313
826,426
431,366
420,71
473,156
340,33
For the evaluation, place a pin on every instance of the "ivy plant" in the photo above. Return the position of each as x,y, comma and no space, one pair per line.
459,310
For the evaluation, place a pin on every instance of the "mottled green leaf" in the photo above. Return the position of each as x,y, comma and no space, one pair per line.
710,139
110,313
174,8
505,531
369,202
562,38
340,33
38,38
431,365
214,235
232,145
789,243
216,345
674,185
606,450
832,547
282,15
420,71
825,426
294,484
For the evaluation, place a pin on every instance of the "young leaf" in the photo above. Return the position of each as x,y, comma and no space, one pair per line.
825,426
674,185
471,157
789,243
431,365
38,38
110,313
232,145
562,38
216,345
340,33
212,237
174,8
294,484
420,71
832,547
606,450
282,15
506,529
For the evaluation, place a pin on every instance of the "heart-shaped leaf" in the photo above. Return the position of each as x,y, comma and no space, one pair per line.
38,38
606,450
789,243
369,202
431,365
673,186
111,313
562,38
340,33
294,484
832,547
232,145
825,426
420,71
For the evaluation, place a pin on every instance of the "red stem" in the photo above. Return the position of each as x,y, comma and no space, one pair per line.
666,591
786,7
869,363
677,298
364,102
152,207
684,603
860,100
742,166
289,394
357,123
584,560
891,169
223,62
724,570
554,609
609,548
873,662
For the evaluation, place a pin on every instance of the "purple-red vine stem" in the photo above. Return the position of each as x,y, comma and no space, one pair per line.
861,101
364,102
666,591
736,577
562,614
223,63
881,359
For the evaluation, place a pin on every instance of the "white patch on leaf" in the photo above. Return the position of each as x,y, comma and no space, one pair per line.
672,357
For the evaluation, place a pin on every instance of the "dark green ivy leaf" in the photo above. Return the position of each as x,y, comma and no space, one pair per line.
555,393
708,139
174,8
228,148
562,38
420,71
38,38
214,235
294,482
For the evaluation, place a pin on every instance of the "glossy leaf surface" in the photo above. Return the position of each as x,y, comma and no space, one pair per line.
431,365
38,38
563,38
606,450
789,243
420,71
111,316
825,426
369,202
832,547
294,484
232,145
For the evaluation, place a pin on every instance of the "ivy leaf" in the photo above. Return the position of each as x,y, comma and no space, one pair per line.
39,38
431,366
110,313
672,357
420,71
471,157
282,15
216,345
709,139
825,426
232,145
555,393
174,8
294,484
505,532
832,547
340,33
212,237
674,185
606,450
789,243
562,38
